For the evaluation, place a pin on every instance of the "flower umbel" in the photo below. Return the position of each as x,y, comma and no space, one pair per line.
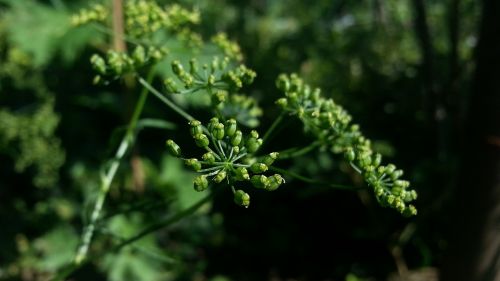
229,158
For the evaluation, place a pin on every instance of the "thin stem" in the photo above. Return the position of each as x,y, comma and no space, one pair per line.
109,175
68,270
165,100
295,152
271,129
159,225
312,181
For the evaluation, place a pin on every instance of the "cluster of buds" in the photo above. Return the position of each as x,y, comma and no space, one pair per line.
228,47
331,125
116,64
217,77
229,158
96,13
143,17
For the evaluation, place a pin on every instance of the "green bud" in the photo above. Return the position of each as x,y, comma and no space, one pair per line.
193,66
139,55
242,198
401,183
274,182
219,97
242,174
283,83
236,150
201,140
193,163
200,183
270,158
396,174
377,159
259,181
231,127
177,68
253,144
173,148
282,102
98,63
214,121
218,131
410,211
209,157
211,80
390,168
171,85
350,155
258,168
236,139
196,127
220,176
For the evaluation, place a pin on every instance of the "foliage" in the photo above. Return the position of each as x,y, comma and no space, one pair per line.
104,189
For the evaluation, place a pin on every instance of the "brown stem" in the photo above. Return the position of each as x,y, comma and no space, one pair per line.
118,27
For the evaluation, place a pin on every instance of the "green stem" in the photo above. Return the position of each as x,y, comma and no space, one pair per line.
159,225
295,152
312,181
271,129
165,100
109,175
68,270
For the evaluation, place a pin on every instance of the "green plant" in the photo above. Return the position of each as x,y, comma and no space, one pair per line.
232,152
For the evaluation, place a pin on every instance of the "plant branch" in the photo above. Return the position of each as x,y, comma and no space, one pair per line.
165,100
271,129
109,175
295,152
312,181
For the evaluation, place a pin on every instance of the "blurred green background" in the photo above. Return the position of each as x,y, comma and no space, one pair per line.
418,76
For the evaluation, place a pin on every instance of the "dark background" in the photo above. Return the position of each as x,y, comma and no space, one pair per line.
420,77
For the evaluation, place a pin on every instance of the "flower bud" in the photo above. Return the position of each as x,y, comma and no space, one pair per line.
171,85
98,63
193,66
390,168
201,140
258,168
200,183
274,182
242,198
209,157
173,148
139,55
253,144
282,102
259,181
230,127
270,158
410,211
218,131
221,175
396,174
219,97
283,83
236,150
193,163
350,155
241,174
377,159
236,139
196,127
177,68
214,121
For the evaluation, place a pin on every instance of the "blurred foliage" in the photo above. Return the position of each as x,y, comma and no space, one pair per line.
56,129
